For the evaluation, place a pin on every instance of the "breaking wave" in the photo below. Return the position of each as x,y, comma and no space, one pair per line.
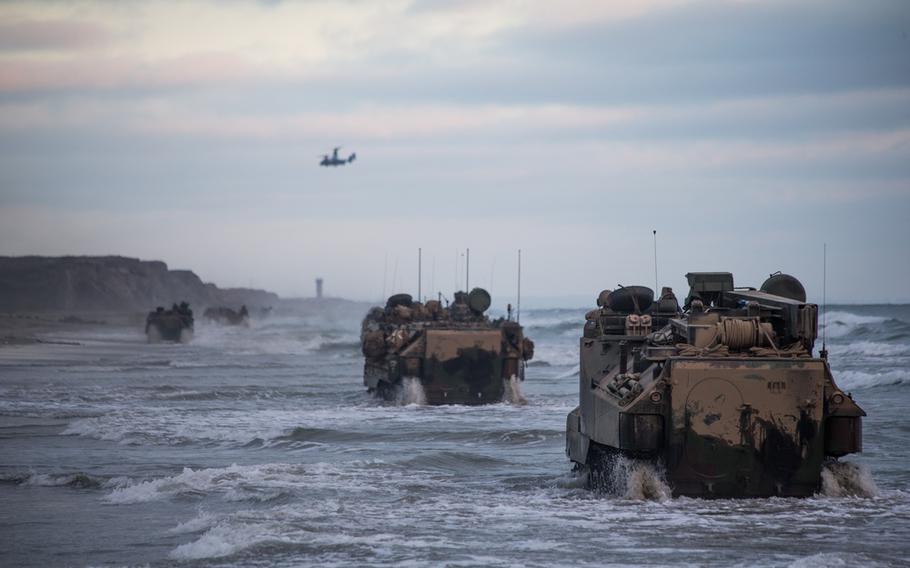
573,372
225,540
77,480
874,349
843,324
234,482
852,379
554,319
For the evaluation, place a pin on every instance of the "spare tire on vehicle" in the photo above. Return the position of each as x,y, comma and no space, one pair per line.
786,286
399,300
631,299
479,300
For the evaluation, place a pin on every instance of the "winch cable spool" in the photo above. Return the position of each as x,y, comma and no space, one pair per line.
736,334
740,334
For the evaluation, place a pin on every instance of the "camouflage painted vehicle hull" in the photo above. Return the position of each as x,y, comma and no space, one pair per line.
725,428
453,367
718,421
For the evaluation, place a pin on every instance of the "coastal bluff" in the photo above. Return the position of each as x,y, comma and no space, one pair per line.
109,283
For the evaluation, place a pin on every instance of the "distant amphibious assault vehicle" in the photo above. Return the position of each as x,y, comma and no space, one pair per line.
456,352
227,316
175,324
725,395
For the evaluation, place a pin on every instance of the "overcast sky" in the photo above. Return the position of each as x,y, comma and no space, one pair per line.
748,134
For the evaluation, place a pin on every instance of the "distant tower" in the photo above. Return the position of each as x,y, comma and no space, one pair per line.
319,288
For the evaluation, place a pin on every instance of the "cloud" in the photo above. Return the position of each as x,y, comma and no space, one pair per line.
745,132
103,74
52,35
490,53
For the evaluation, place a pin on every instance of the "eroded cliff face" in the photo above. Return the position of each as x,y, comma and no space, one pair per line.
109,283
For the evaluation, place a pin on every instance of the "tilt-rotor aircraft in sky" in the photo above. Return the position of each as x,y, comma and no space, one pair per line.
335,160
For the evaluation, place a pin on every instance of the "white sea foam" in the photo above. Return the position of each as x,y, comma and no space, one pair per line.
260,482
513,393
286,336
573,372
870,348
842,323
634,479
851,379
846,479
225,540
835,560
145,427
316,525
558,319
203,521
410,391
556,352
202,481
644,481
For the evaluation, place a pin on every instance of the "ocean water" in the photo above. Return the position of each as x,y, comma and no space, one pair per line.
259,447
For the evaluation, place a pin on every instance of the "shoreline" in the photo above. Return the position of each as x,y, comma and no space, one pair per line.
42,328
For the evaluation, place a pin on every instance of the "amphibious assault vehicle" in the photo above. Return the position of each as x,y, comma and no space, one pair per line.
175,324
725,394
227,316
458,354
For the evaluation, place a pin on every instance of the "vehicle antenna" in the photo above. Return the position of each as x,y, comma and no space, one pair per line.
655,261
456,269
395,275
518,302
492,274
419,272
467,269
433,274
385,274
824,353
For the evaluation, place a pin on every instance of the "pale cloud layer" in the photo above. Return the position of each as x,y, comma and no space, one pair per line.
747,133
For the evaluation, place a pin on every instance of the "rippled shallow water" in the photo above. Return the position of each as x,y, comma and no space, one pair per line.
259,447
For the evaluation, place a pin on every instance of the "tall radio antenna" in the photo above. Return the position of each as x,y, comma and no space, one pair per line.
655,260
395,276
385,275
419,273
467,269
518,303
824,352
